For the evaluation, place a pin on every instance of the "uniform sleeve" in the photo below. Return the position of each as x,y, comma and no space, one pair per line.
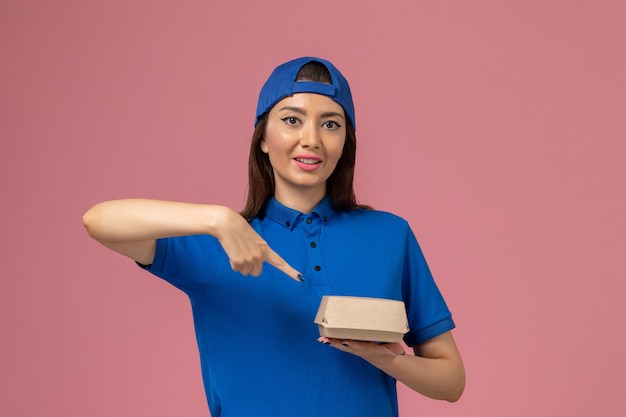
427,311
187,262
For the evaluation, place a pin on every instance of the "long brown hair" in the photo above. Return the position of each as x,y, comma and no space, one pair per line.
340,184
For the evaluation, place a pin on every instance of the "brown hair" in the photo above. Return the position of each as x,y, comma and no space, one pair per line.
340,184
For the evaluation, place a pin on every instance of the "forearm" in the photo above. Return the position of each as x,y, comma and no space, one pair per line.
135,220
436,370
438,378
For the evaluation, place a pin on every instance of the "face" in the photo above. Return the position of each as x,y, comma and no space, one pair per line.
304,138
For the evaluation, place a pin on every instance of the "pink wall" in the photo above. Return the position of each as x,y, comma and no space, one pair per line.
496,128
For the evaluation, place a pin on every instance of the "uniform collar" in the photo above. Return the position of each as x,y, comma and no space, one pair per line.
289,217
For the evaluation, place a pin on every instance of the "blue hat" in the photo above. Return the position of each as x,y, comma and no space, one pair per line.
282,83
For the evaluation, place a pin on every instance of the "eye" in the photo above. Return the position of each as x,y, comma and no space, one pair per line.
331,125
291,121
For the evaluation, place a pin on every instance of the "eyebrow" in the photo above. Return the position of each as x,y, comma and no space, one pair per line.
303,112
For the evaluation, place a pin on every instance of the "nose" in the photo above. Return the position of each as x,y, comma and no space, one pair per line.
310,136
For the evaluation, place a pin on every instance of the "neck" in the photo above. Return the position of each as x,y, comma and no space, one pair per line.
302,200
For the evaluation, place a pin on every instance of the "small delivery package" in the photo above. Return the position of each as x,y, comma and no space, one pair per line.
362,318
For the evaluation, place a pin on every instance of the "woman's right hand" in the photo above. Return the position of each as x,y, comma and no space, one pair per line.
132,226
246,250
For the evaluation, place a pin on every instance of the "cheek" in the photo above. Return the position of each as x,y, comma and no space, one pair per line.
337,150
275,141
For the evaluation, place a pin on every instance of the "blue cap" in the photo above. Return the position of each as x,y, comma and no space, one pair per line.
282,83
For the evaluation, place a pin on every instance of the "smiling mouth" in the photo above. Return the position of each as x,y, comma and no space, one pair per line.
308,161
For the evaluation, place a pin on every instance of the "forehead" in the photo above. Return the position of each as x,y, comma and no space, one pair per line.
309,102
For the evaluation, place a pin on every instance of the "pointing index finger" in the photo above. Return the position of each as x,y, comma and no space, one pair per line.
274,259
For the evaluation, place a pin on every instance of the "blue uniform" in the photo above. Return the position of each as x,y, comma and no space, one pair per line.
256,336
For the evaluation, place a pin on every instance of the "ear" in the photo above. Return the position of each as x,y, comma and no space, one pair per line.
263,146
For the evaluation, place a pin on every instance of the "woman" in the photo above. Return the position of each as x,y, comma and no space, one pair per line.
256,337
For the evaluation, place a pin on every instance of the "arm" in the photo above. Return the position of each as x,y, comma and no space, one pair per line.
436,370
131,227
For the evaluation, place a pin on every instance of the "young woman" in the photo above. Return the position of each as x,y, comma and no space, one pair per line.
258,344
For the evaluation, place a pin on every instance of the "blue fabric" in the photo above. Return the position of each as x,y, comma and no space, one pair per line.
256,336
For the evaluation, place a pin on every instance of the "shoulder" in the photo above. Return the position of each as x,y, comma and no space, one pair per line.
377,216
375,219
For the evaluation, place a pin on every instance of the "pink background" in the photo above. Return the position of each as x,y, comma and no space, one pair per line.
497,128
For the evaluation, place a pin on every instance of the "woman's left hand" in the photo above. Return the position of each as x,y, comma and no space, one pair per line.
435,368
364,349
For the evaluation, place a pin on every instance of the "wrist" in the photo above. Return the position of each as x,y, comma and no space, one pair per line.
215,218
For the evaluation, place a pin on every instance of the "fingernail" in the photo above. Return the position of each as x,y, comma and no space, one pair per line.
300,277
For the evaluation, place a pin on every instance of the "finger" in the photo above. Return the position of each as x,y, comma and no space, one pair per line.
396,348
241,267
339,344
274,259
256,269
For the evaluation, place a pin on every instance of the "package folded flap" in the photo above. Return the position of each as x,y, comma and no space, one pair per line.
362,318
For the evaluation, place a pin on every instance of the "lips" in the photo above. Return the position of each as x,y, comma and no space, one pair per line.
308,162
